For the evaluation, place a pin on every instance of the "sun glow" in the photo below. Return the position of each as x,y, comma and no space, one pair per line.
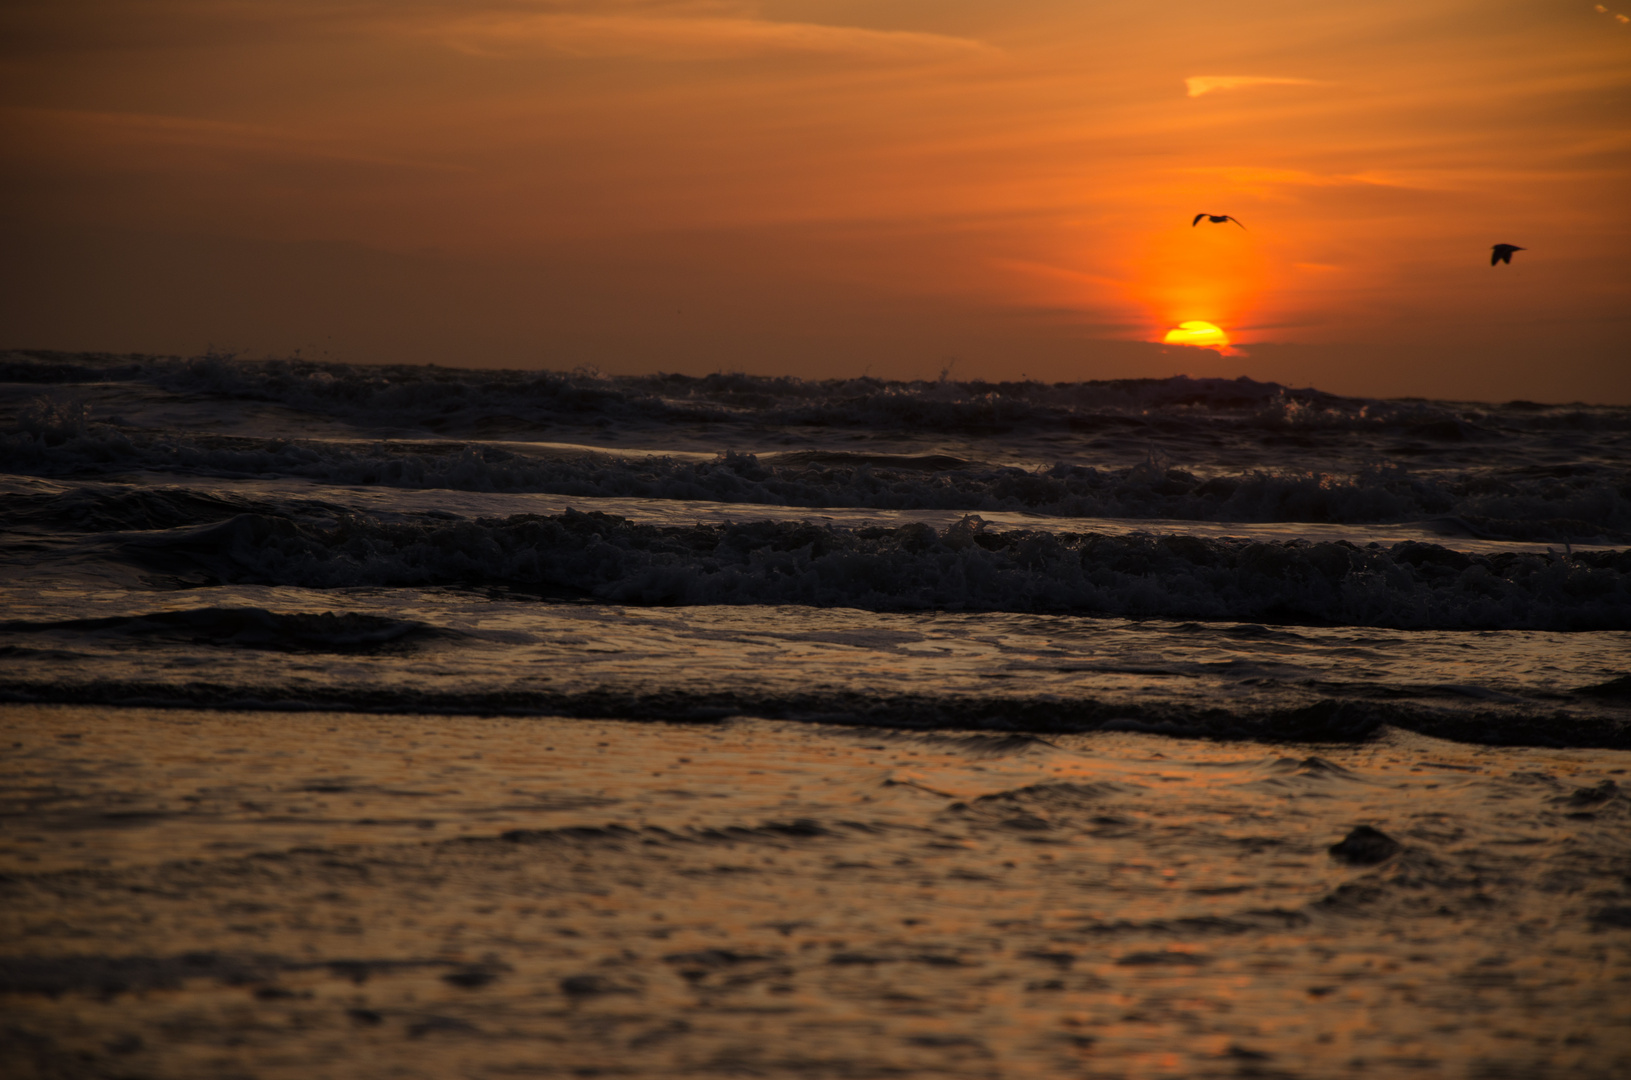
1196,332
1192,282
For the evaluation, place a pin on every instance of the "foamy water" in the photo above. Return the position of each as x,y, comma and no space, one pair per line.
487,723
160,512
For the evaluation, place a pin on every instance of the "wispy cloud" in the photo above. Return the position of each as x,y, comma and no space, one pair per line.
665,34
1248,178
129,140
1197,85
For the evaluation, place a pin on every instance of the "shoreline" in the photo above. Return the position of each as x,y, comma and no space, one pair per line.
217,893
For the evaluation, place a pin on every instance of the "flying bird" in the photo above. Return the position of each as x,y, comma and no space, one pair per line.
1502,253
1216,219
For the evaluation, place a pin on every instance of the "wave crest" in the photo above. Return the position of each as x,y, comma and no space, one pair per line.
966,567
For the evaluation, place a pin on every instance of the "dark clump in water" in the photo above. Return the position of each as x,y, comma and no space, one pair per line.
1365,846
1619,688
1594,796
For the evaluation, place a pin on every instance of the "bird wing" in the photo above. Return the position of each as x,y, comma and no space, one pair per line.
1226,217
1197,220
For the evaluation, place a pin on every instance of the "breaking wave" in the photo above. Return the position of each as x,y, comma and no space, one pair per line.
436,397
444,395
1567,504
246,627
1179,448
966,567
1341,720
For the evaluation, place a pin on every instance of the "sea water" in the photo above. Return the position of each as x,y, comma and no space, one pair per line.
1179,554
429,722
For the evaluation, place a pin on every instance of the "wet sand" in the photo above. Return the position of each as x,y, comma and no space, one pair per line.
214,894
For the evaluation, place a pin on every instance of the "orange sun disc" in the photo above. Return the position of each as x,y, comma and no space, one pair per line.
1196,332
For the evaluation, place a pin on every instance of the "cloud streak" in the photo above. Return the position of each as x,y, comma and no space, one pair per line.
122,141
673,37
1201,85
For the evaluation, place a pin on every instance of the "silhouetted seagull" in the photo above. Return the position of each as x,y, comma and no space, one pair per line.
1502,253
1216,219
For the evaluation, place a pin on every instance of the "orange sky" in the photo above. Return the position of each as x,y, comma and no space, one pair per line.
826,187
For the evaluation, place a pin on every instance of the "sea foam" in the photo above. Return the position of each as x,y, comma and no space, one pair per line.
966,567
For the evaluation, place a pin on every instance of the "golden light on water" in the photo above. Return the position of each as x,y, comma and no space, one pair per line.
1197,332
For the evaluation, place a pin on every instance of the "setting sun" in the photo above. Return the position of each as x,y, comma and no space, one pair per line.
1196,332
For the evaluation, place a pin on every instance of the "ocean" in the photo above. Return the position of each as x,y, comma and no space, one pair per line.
444,721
